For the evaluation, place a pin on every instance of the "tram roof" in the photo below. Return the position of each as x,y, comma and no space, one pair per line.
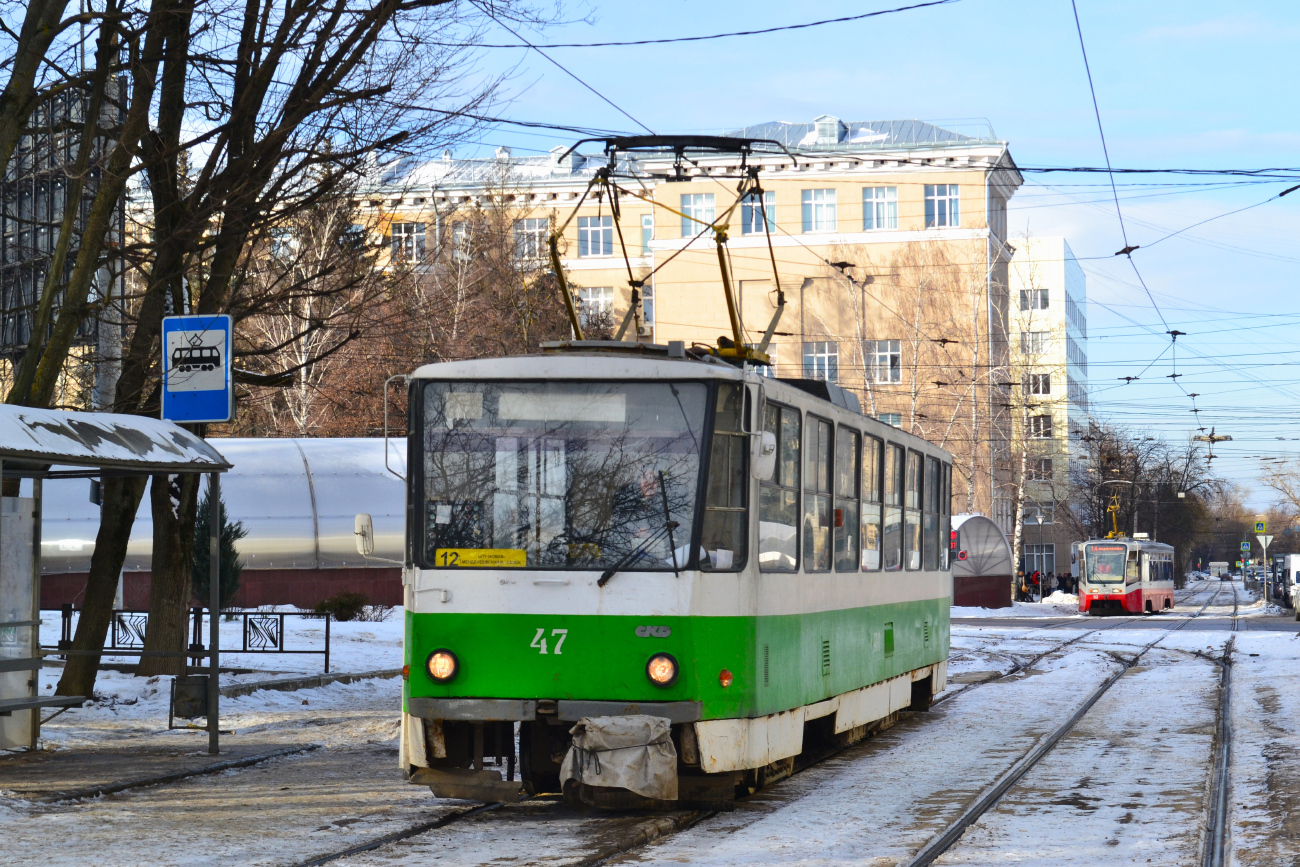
579,365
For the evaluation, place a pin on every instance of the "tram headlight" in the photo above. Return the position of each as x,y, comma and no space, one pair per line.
662,670
442,665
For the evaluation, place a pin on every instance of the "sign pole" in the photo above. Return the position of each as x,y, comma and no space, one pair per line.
214,609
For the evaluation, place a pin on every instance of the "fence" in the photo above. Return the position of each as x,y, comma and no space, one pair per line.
262,632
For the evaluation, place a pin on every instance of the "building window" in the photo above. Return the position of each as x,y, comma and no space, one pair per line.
648,304
1033,299
752,211
1040,558
1074,313
1075,392
1035,341
282,244
647,232
1039,470
408,242
821,360
819,210
1033,511
1038,383
697,209
531,237
879,208
353,237
595,236
885,360
1040,427
942,206
1075,354
461,241
891,418
595,304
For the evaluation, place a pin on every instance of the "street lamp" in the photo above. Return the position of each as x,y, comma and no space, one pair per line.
1041,576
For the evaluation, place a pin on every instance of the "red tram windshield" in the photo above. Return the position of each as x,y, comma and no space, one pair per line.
1104,563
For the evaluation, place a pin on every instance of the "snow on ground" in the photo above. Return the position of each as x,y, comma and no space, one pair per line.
1126,786
1056,605
1265,798
126,706
881,800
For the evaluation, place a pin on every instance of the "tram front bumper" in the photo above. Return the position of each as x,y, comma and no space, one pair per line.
524,710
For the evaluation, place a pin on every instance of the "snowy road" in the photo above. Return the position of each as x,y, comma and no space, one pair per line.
1127,785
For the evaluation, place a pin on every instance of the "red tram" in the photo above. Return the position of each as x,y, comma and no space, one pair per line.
1125,575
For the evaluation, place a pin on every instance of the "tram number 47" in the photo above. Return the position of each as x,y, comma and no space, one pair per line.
539,641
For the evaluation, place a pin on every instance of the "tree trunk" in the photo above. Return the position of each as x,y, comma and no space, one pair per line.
121,499
174,500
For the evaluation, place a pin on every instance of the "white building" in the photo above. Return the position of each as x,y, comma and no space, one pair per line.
1049,363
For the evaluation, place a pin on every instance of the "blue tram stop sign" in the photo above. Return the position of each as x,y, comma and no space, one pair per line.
196,369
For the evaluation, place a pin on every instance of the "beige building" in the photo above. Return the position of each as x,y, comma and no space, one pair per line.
887,239
1049,332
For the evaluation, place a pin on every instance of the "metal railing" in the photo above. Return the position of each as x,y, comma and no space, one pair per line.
262,632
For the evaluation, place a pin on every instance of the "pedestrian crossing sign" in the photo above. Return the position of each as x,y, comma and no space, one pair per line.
1261,526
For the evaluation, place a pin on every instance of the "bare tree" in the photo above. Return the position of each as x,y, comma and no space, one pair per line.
241,117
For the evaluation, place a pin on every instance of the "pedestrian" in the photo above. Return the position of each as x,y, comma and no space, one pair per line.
1036,585
1022,589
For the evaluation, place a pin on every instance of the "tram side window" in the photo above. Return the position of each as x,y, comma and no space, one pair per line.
725,536
945,518
778,499
872,458
817,496
930,515
893,535
912,525
1131,572
846,500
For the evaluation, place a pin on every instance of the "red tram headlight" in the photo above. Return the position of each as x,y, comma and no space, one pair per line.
442,665
661,669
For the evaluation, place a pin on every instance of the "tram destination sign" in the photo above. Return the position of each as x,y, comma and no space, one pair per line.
197,369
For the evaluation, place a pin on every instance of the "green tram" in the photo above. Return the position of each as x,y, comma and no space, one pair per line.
610,530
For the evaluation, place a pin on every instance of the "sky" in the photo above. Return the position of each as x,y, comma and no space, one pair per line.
1179,85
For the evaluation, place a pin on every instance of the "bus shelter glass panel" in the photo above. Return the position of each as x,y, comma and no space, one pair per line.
560,475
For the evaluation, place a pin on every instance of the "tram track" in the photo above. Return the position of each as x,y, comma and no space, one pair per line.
656,828
989,798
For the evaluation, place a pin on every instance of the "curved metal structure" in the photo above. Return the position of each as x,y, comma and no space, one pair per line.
981,564
297,499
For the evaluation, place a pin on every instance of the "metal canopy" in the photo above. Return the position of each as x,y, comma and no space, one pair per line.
36,438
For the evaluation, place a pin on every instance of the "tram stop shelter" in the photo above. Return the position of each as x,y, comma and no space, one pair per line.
41,444
981,563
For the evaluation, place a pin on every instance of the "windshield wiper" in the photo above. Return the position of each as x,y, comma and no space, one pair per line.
638,551
665,530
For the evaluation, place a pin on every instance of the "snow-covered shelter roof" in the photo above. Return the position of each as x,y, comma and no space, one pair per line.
37,438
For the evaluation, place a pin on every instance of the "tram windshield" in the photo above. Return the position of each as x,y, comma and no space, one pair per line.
1105,563
560,475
